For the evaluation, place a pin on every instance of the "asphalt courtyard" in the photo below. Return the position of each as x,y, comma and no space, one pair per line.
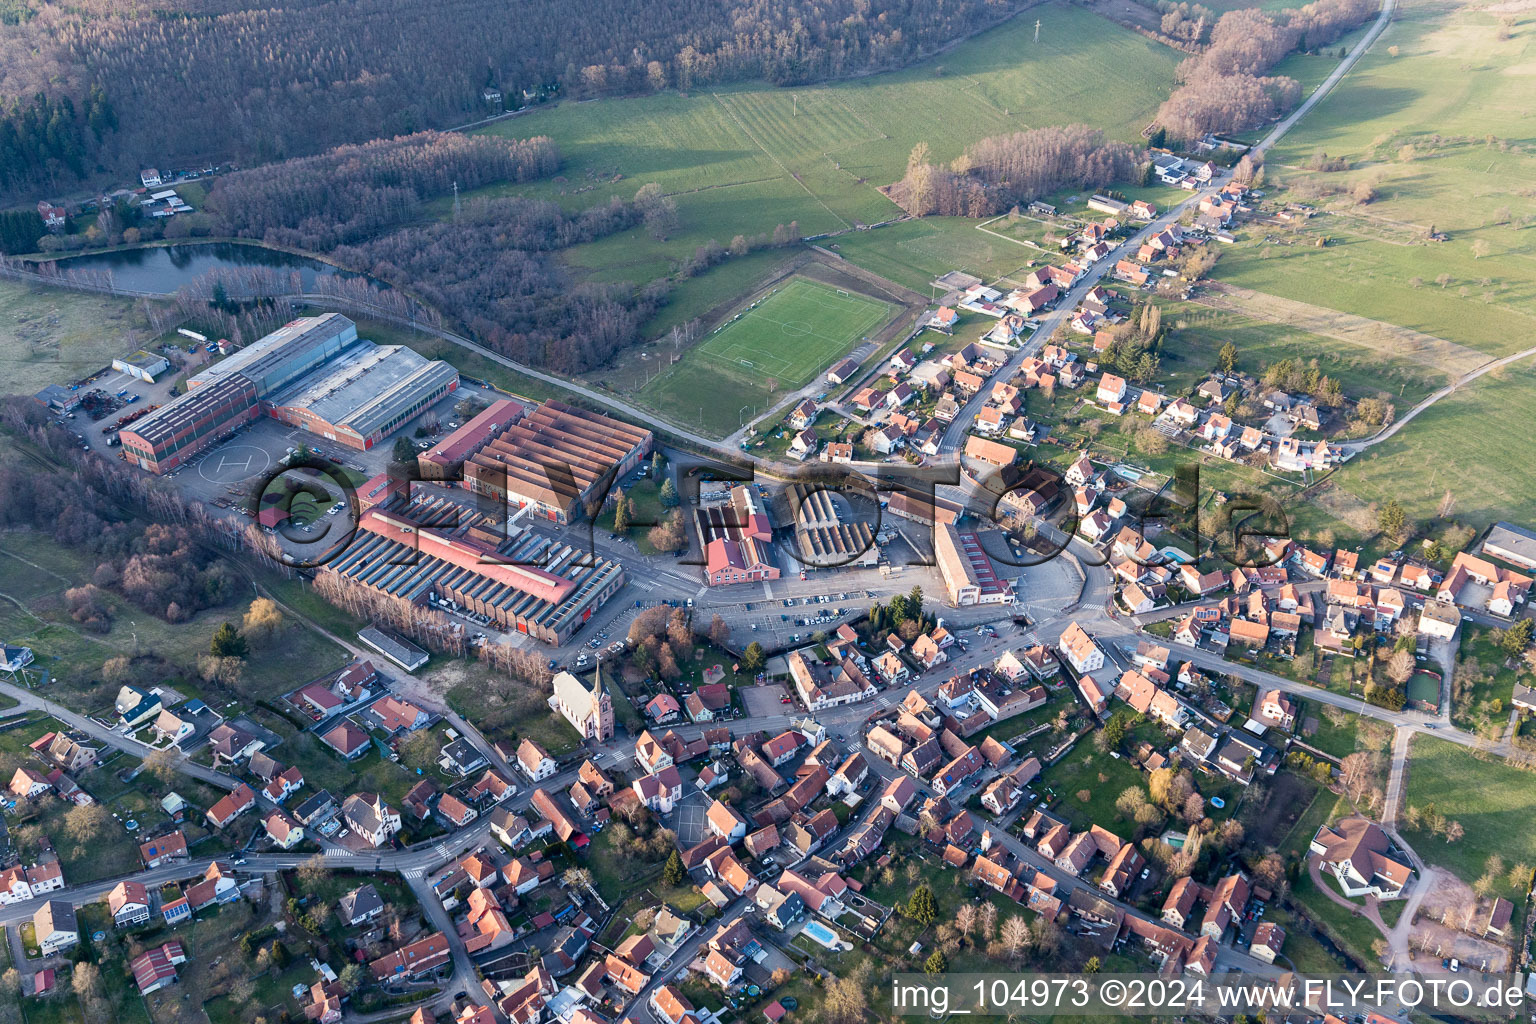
688,819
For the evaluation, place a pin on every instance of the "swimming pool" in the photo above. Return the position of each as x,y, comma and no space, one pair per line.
822,934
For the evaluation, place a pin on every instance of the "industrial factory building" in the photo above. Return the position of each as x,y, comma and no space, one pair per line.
314,373
551,460
434,549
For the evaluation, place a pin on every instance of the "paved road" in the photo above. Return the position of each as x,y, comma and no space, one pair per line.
1398,424
31,700
1289,122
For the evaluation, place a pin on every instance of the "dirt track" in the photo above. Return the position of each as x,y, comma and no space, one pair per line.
1388,339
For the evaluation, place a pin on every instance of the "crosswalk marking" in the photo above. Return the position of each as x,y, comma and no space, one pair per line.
339,853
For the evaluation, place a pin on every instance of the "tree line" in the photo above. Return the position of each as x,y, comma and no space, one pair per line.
1002,171
351,192
262,82
1226,88
495,271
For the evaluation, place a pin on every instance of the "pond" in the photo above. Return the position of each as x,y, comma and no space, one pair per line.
166,268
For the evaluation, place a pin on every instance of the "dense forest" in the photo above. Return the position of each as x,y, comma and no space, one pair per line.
494,270
159,567
182,83
353,192
1225,88
1005,170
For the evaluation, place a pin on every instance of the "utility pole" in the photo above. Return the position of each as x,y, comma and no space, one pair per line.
1037,30
456,186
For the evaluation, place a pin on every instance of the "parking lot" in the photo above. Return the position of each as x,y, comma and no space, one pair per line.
131,396
762,701
227,471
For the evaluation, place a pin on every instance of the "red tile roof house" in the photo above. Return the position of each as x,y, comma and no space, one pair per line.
725,822
156,968
317,699
347,740
128,903
163,850
455,811
396,715
534,761
413,960
284,785
231,806
283,830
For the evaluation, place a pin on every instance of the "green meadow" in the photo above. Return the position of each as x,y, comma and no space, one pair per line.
1436,119
742,159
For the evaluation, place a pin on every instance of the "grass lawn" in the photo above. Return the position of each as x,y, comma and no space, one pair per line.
1302,949
797,330
55,336
779,343
1101,777
1354,933
34,574
1189,354
1475,693
1428,118
1270,823
59,1007
1339,740
1451,447
1493,801
914,252
1325,807
616,875
694,296
504,709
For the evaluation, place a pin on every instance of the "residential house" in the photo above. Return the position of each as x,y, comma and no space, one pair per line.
1276,709
155,968
1080,650
283,830
360,905
1359,854
128,903
1268,938
394,715
534,761
163,850
725,822
231,744
54,927
231,806
660,790
347,740
28,784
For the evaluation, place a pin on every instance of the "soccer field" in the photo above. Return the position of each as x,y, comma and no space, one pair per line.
794,332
